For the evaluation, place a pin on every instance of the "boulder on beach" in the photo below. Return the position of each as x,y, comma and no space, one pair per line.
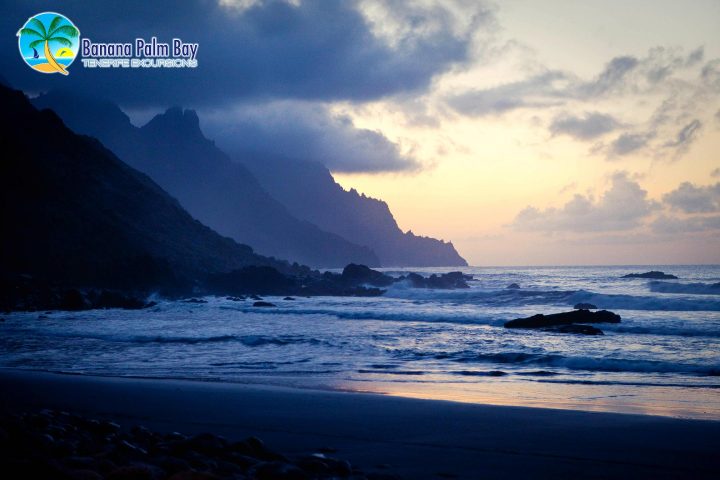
585,306
654,274
564,318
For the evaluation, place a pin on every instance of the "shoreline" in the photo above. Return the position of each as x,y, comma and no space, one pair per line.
411,437
535,394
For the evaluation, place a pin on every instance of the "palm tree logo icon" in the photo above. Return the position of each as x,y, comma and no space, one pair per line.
56,36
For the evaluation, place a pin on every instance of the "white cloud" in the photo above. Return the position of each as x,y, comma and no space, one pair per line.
690,198
622,207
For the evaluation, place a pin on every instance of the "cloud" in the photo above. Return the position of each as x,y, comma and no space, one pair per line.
689,198
586,127
266,49
715,173
674,225
306,131
622,207
628,143
685,136
610,78
540,91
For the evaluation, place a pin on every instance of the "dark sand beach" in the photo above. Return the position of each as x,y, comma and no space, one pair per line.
408,437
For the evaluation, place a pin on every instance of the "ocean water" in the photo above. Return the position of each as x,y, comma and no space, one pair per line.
663,358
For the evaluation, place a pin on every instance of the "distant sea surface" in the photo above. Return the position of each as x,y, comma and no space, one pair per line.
663,358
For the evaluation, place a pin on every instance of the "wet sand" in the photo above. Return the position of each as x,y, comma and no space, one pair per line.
414,438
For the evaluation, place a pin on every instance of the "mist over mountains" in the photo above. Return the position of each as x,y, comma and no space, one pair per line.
291,209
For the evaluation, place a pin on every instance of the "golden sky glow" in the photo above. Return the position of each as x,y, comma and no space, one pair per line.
481,169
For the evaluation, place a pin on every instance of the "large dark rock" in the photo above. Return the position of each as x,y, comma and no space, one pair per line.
654,274
354,274
564,318
446,281
264,304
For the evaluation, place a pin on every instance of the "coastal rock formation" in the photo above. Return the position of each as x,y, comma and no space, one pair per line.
264,304
445,281
566,322
654,274
360,274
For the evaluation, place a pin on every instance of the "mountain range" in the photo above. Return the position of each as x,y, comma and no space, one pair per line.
75,214
223,194
288,208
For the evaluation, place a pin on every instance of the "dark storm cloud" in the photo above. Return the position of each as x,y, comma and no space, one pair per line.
309,132
316,50
586,127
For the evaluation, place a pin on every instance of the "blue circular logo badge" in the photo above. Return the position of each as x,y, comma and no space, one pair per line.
49,42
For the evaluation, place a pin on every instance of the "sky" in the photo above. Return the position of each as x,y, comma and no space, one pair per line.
526,132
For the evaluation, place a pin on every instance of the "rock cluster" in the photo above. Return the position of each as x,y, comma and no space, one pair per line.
65,446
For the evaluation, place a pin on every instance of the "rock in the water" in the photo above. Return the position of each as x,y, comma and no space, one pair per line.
264,304
288,298
445,281
654,274
195,300
575,328
585,306
513,286
564,318
361,275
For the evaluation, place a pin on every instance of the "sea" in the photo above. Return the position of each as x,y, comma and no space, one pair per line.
662,359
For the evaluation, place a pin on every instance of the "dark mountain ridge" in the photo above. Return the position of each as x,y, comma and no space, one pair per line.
224,195
296,210
311,193
73,213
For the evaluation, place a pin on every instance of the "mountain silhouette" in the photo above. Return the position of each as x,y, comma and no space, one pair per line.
223,194
73,213
311,193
